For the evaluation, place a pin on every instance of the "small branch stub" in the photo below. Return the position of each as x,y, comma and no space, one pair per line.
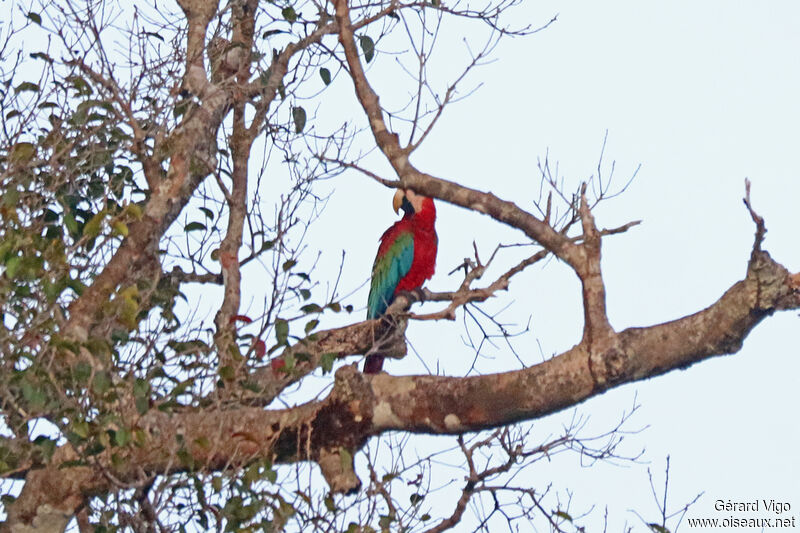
761,228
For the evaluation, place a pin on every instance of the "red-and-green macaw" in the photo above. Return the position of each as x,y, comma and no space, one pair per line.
406,258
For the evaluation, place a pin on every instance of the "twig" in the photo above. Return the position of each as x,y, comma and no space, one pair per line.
761,228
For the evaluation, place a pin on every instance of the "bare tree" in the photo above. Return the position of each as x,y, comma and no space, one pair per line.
152,150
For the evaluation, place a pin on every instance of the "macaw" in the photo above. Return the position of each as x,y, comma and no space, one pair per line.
406,258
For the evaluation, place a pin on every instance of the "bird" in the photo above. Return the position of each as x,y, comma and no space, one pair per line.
406,258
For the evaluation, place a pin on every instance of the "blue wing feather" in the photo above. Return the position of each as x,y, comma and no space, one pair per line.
387,271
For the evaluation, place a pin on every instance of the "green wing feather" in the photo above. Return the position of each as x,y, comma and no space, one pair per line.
387,271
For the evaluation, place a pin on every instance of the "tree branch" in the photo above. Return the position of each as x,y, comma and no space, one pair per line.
241,142
410,177
361,406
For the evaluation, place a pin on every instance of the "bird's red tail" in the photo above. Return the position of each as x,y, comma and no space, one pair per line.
373,364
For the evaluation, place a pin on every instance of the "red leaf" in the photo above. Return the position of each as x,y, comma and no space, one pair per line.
260,349
241,318
277,364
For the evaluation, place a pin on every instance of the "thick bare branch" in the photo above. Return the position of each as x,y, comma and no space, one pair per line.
360,406
597,332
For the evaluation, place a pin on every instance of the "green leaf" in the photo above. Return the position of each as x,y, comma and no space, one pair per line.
128,301
563,515
76,285
288,362
134,210
326,361
194,226
368,46
416,498
12,266
71,223
182,387
120,228
325,74
122,436
118,461
5,248
330,504
311,308
141,394
289,13
299,116
186,459
289,264
92,228
26,86
208,213
311,324
658,529
34,396
101,382
47,445
11,197
227,373
82,371
35,17
81,428
50,216
81,86
305,293
281,330
142,405
141,387
335,307
21,152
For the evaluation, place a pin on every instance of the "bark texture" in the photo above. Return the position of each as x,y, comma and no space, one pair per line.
362,406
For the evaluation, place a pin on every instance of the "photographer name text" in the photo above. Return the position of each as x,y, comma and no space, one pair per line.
755,506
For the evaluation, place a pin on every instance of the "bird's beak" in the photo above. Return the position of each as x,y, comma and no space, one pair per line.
397,201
